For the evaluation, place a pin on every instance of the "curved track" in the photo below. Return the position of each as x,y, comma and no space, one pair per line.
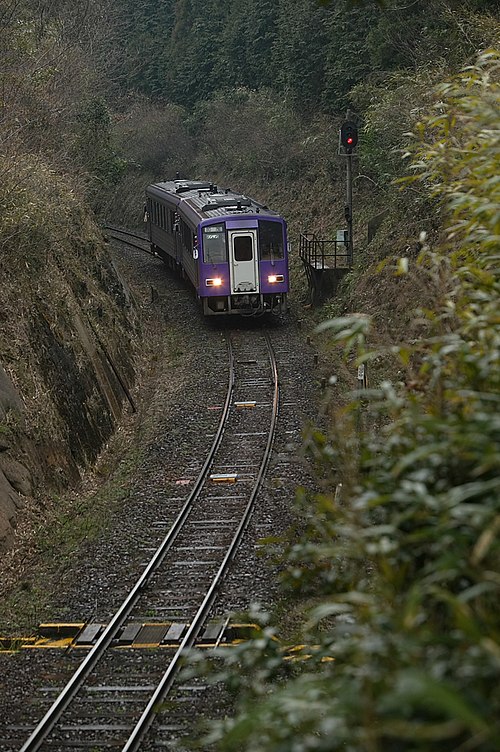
130,238
108,702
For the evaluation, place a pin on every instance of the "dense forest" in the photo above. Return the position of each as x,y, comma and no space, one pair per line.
397,578
122,91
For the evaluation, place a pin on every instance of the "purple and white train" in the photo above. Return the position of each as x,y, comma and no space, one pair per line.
233,250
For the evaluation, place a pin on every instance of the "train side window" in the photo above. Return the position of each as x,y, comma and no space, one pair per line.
187,236
270,240
243,248
214,244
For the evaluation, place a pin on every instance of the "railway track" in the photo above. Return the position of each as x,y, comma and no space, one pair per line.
130,238
112,698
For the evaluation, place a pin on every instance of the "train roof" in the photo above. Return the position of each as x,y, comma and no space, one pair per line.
207,200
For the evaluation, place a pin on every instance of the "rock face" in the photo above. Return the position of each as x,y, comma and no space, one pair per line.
66,368
15,478
9,398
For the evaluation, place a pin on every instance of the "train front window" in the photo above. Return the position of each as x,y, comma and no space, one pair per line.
214,244
243,248
270,240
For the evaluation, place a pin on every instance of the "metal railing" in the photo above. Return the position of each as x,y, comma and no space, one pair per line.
324,254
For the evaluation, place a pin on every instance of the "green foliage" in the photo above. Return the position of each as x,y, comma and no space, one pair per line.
144,33
194,71
348,55
311,53
403,557
248,135
247,36
38,212
390,107
298,64
94,151
154,141
155,138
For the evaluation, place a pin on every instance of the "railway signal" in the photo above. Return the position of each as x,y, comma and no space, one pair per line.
349,136
348,140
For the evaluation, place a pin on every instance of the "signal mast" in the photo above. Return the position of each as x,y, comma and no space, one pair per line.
348,140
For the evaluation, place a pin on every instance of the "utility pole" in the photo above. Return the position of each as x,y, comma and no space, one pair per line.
348,141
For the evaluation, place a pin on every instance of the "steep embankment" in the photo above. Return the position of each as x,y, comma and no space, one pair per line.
67,335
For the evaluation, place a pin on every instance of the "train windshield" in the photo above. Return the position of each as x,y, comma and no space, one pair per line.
214,244
270,239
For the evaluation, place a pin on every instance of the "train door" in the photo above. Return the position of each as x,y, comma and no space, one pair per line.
244,270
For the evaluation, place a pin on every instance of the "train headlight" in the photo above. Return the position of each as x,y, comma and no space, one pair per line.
213,282
273,278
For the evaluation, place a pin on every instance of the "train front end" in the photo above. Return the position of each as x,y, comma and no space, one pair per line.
243,264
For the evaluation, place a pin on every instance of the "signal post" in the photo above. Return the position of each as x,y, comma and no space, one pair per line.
348,139
326,262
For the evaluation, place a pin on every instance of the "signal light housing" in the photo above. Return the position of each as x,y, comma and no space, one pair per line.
349,135
214,282
273,278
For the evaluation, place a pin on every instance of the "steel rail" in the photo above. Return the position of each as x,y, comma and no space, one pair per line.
114,235
111,228
147,718
76,682
136,245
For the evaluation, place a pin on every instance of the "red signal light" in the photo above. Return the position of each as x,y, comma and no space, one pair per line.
349,135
